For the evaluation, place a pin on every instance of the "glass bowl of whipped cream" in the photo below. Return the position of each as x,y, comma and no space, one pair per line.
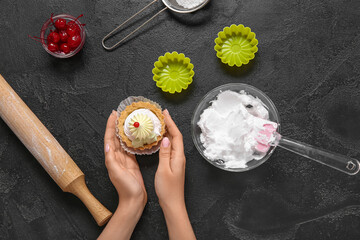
225,123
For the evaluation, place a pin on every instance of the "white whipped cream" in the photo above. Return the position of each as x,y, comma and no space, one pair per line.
229,127
150,114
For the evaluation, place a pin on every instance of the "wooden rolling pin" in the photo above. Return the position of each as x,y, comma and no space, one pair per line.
47,150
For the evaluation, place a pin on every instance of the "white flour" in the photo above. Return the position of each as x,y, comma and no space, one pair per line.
189,3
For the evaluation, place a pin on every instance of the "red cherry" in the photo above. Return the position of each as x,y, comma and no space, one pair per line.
65,48
53,37
74,21
63,36
136,124
60,24
53,47
73,24
74,41
77,27
72,30
72,27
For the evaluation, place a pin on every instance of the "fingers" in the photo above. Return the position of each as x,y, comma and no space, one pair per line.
110,158
164,154
110,144
174,132
110,134
177,146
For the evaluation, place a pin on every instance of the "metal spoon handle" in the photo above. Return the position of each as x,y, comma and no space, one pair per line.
337,161
128,20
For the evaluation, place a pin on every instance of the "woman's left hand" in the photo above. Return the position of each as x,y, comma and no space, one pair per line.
124,171
125,175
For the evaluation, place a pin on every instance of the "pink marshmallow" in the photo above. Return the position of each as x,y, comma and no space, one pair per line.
263,137
269,128
262,148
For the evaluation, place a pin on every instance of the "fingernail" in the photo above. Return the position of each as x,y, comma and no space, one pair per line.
107,148
166,112
165,142
113,112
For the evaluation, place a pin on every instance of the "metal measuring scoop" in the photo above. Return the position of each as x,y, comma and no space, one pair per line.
170,4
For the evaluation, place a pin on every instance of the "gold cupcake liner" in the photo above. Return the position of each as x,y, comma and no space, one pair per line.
126,107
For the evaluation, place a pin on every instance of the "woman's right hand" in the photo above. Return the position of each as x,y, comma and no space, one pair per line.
170,180
170,176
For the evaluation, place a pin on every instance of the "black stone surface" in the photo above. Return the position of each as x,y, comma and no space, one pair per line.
308,63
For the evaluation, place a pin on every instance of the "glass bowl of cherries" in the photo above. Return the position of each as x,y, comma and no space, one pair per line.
62,35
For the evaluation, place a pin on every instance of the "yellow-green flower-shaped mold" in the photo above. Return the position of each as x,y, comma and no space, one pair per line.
236,45
173,72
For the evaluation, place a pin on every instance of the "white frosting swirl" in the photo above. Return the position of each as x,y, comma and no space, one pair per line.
155,120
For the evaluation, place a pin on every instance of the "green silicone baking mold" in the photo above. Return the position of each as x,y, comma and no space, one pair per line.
173,72
236,45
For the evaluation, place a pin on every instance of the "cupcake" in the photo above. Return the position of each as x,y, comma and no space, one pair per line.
140,125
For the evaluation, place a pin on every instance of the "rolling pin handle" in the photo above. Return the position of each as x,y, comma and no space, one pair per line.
97,210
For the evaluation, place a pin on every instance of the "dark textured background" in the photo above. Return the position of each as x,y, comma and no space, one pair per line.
308,63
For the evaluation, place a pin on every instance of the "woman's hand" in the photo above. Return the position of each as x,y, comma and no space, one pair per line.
170,180
125,175
170,176
123,168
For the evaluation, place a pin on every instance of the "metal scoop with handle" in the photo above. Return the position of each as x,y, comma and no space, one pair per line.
173,5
